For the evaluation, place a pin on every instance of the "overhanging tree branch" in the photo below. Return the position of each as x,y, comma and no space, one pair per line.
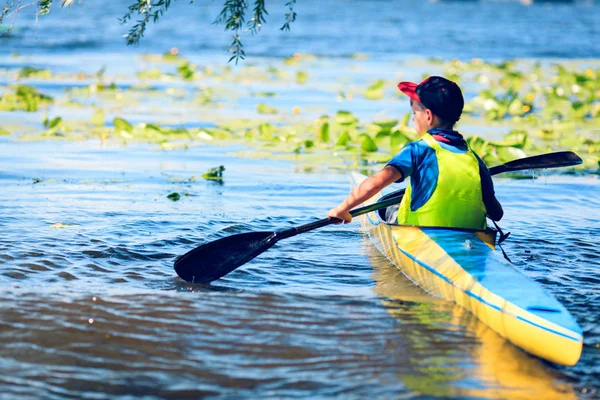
12,7
233,16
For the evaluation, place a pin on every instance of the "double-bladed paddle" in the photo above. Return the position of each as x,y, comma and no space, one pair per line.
216,259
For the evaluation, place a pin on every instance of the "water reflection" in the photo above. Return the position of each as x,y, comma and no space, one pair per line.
455,354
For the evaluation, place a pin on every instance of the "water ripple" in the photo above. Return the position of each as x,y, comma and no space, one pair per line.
319,314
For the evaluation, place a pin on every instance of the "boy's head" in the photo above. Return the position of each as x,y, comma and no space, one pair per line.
436,102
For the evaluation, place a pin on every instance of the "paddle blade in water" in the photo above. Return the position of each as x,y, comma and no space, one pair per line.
214,260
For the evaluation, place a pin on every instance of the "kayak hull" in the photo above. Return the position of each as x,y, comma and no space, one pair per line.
462,266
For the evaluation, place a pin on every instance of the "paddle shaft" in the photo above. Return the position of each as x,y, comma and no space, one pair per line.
216,259
328,221
551,160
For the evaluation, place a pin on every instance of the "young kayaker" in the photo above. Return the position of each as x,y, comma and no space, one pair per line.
449,185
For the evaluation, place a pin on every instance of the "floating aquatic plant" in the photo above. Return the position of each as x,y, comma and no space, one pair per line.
35,73
265,109
24,98
375,91
540,108
214,174
301,77
174,196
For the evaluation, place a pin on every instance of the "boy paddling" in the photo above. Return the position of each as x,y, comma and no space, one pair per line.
449,185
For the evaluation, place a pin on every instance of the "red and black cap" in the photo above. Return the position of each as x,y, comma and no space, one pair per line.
442,96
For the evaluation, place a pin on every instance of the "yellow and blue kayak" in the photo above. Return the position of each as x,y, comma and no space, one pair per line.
462,266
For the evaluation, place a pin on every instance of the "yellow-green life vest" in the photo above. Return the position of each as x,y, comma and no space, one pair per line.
457,200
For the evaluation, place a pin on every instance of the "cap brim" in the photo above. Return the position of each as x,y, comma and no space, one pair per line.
409,89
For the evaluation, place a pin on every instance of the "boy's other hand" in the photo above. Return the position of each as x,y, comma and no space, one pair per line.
342,215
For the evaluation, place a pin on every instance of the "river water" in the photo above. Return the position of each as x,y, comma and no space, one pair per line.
92,308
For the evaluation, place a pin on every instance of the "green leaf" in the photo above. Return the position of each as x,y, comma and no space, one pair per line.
301,77
186,70
52,123
367,144
153,128
265,109
343,140
516,138
382,135
478,145
398,140
266,131
324,132
506,154
345,118
122,126
375,91
174,196
33,72
387,124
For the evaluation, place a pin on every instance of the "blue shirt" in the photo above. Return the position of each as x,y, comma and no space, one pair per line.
419,161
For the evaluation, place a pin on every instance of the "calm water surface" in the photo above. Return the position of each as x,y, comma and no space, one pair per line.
95,309
90,306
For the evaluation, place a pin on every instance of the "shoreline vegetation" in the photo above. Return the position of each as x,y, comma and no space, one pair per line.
532,107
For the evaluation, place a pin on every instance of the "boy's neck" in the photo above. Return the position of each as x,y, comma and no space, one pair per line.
438,130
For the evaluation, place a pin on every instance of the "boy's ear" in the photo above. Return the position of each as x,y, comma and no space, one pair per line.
430,116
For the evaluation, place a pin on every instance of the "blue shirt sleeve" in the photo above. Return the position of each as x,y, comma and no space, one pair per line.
404,161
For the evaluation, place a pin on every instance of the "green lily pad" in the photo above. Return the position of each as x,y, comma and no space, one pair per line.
343,140
265,109
506,154
345,118
375,91
52,123
324,132
367,144
122,126
301,77
33,72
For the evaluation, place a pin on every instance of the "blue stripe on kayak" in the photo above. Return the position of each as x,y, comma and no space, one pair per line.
577,339
481,299
468,292
422,264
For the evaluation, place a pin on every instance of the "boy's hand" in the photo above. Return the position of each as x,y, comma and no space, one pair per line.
344,215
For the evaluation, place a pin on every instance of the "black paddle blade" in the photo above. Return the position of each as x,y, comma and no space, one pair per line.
214,260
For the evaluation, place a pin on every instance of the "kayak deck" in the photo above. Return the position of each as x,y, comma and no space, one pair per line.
462,266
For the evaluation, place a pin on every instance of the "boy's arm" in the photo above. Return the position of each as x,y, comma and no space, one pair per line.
367,189
492,205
